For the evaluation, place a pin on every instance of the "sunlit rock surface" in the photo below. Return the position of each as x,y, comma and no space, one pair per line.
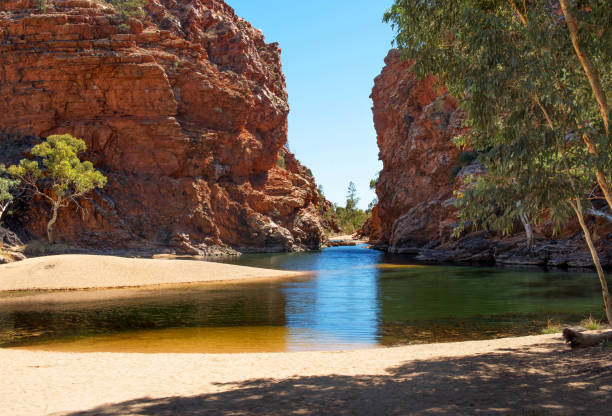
185,111
415,121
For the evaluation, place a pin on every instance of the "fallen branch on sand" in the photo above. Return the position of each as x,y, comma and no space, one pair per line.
580,340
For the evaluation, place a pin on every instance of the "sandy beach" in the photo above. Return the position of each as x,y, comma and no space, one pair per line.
347,238
512,376
77,271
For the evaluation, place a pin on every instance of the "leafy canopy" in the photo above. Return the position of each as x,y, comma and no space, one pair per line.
62,171
58,175
8,187
350,217
527,102
128,8
351,197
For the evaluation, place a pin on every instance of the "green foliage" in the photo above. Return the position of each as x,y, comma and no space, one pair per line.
58,175
280,160
591,323
61,167
527,100
123,28
374,182
373,185
8,188
464,159
350,221
351,197
128,8
350,218
551,328
42,6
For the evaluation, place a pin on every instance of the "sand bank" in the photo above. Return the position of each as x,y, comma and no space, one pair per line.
76,271
514,376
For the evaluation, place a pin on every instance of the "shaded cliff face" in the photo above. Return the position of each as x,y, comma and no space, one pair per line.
415,122
185,111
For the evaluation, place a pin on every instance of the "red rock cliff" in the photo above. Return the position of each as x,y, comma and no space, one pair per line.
185,111
414,122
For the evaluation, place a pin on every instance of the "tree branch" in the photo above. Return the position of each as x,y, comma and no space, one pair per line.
519,13
601,214
587,64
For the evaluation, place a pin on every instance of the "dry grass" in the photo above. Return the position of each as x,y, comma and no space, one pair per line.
38,248
551,328
591,323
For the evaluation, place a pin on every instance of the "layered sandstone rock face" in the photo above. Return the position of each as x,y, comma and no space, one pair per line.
185,110
415,122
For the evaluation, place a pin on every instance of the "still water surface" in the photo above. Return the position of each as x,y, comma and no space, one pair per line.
356,298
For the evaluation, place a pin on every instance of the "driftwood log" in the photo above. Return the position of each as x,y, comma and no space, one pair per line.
581,340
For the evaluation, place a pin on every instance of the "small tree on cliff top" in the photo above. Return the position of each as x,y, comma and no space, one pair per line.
128,8
527,74
63,178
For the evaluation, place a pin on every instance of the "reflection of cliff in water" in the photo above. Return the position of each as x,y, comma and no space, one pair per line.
461,303
251,305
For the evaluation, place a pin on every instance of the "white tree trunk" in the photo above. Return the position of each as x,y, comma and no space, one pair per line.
600,214
52,221
600,273
3,208
587,64
528,231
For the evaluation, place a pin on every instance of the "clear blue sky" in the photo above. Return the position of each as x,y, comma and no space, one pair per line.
331,52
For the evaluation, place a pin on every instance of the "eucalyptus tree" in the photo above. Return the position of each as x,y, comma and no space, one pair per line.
530,77
351,197
58,175
8,187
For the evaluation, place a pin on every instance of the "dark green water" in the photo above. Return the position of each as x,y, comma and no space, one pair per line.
357,297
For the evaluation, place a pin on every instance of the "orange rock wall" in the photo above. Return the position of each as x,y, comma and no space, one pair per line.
184,110
415,122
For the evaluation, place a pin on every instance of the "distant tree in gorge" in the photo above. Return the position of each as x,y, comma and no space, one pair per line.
350,218
373,184
351,197
58,175
533,79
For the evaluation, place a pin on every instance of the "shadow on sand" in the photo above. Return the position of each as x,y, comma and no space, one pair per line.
540,380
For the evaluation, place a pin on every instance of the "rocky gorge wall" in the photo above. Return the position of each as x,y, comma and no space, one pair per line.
415,121
184,110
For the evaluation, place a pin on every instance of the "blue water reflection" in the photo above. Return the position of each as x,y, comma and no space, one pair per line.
339,306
